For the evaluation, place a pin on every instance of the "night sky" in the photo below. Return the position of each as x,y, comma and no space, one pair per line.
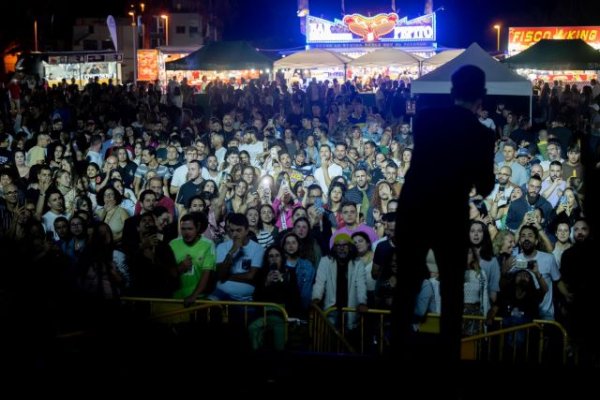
273,23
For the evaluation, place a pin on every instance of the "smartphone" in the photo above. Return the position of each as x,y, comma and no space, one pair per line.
521,264
530,264
319,205
563,200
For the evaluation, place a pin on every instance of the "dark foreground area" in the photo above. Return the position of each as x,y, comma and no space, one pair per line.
153,359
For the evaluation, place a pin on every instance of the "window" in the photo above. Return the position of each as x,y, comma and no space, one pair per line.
90,29
193,30
180,29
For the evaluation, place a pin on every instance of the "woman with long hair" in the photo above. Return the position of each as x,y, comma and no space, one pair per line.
239,202
21,165
396,152
252,214
365,253
481,241
103,272
404,163
111,212
63,182
476,296
335,198
309,248
267,231
568,208
56,152
382,195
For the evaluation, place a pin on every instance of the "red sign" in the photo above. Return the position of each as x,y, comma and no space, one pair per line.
147,65
371,28
522,37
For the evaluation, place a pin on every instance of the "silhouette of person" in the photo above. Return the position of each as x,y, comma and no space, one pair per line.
453,152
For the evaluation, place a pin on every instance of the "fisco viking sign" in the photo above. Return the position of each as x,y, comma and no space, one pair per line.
520,38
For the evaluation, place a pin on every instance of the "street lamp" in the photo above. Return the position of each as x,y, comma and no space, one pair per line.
134,38
497,28
166,18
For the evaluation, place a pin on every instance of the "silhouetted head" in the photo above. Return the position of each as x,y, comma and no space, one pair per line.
468,84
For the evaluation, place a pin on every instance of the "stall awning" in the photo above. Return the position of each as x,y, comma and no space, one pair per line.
557,55
222,56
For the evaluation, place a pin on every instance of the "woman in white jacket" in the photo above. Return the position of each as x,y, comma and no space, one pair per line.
341,279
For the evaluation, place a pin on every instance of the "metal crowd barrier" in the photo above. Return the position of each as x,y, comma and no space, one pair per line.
171,311
537,342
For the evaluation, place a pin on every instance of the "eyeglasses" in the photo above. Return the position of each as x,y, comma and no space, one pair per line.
12,192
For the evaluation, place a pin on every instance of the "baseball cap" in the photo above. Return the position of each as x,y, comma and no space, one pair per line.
523,152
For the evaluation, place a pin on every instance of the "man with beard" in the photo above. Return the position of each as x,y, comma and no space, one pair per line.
554,185
211,170
581,280
440,134
252,145
191,188
502,189
543,263
285,160
520,208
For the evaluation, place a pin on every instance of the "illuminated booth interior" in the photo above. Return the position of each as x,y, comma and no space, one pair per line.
226,61
570,61
82,67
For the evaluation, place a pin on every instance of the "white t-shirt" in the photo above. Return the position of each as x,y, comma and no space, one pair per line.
334,170
249,256
179,176
254,150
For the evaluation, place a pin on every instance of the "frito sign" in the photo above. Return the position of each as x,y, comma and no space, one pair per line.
521,38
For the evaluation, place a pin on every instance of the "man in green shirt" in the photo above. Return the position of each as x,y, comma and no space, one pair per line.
195,256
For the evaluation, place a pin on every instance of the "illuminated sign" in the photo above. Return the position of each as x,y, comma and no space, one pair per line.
147,63
371,28
521,38
380,30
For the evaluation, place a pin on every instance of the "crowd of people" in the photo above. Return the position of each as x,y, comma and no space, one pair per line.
277,194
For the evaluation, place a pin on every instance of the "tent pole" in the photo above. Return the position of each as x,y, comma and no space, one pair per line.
345,72
531,108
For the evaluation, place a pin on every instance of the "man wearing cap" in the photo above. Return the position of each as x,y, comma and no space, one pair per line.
440,134
519,173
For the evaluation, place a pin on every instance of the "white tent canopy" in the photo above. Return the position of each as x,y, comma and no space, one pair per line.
443,57
313,58
500,80
386,57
